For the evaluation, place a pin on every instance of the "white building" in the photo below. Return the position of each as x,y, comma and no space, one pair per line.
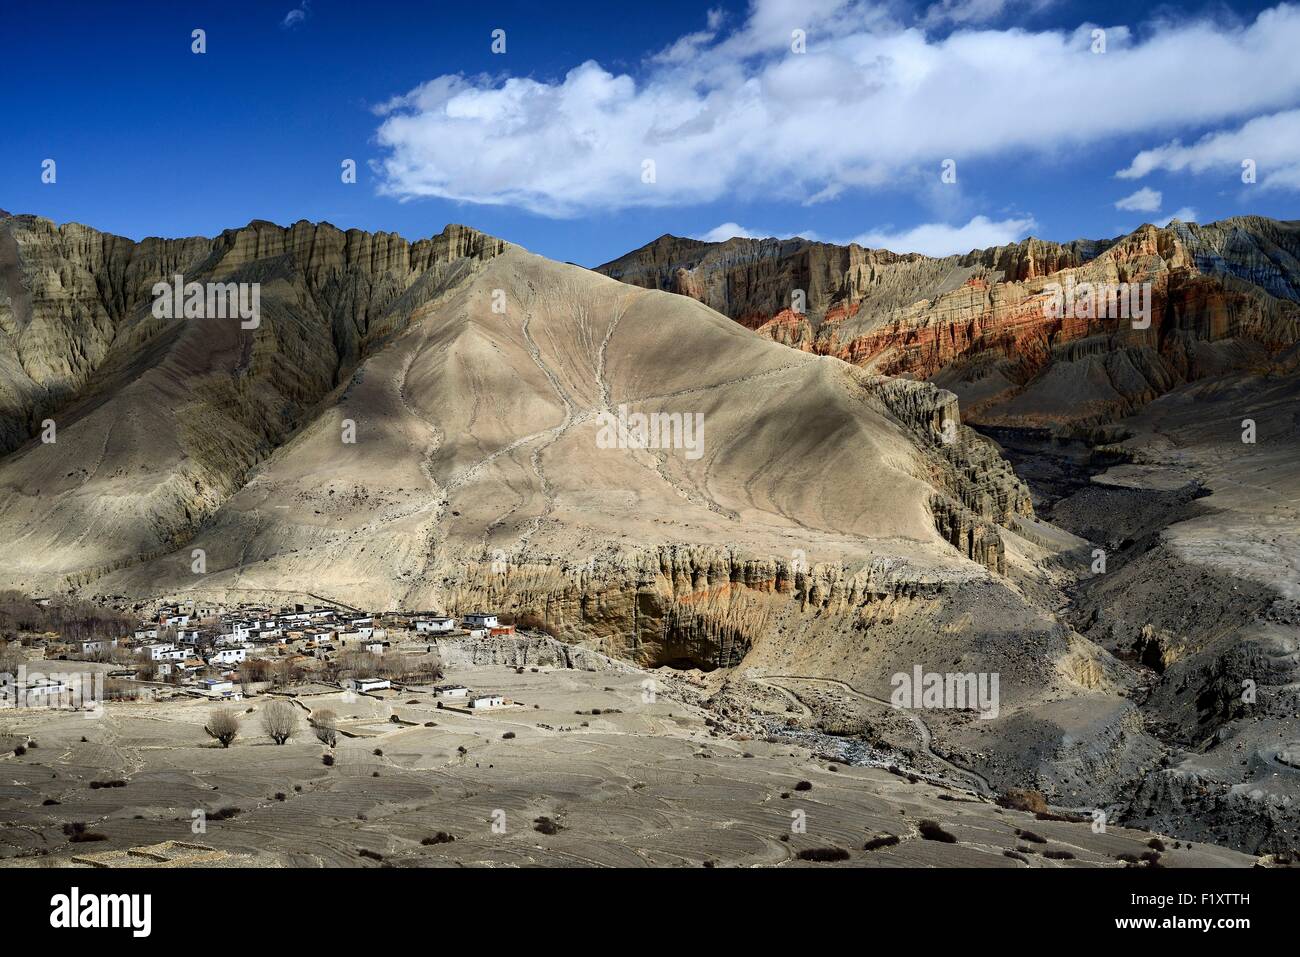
435,625
228,656
478,619
166,652
101,644
487,701
450,691
368,684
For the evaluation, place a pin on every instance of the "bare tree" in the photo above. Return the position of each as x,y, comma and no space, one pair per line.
11,658
326,726
146,668
279,720
223,725
286,672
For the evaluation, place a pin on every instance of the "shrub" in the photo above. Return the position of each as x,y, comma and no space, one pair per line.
879,841
803,786
1058,855
225,814
823,854
1031,837
442,837
544,825
508,735
1020,799
327,760
373,855
77,833
1156,844
378,752
931,831
1015,857
96,785
48,802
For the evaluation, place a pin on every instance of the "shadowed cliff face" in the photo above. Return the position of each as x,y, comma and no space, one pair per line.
1222,297
158,420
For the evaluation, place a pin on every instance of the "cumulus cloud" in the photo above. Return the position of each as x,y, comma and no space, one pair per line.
941,239
1145,200
1186,214
729,110
725,231
1272,142
296,16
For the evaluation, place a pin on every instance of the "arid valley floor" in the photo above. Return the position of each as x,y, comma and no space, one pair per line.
627,782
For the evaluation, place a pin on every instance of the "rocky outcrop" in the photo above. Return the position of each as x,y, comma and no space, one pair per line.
681,605
982,488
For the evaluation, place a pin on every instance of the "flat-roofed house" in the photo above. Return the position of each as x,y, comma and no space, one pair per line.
435,625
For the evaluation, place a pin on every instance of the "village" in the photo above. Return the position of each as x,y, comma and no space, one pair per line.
205,650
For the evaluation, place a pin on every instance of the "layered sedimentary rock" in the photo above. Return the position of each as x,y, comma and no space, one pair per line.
1221,296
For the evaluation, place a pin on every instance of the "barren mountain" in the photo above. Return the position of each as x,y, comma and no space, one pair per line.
428,425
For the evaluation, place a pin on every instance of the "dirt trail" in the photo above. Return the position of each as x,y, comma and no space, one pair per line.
965,777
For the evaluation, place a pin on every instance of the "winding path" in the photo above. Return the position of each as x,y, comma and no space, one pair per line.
968,778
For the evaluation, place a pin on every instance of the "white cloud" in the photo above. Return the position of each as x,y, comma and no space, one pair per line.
725,231
1145,200
734,113
296,16
1186,214
1273,142
940,239
977,11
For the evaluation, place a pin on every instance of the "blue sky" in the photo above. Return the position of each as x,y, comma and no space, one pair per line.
547,144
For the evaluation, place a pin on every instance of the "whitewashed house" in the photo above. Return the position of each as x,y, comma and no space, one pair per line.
228,656
368,684
479,619
480,701
435,625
